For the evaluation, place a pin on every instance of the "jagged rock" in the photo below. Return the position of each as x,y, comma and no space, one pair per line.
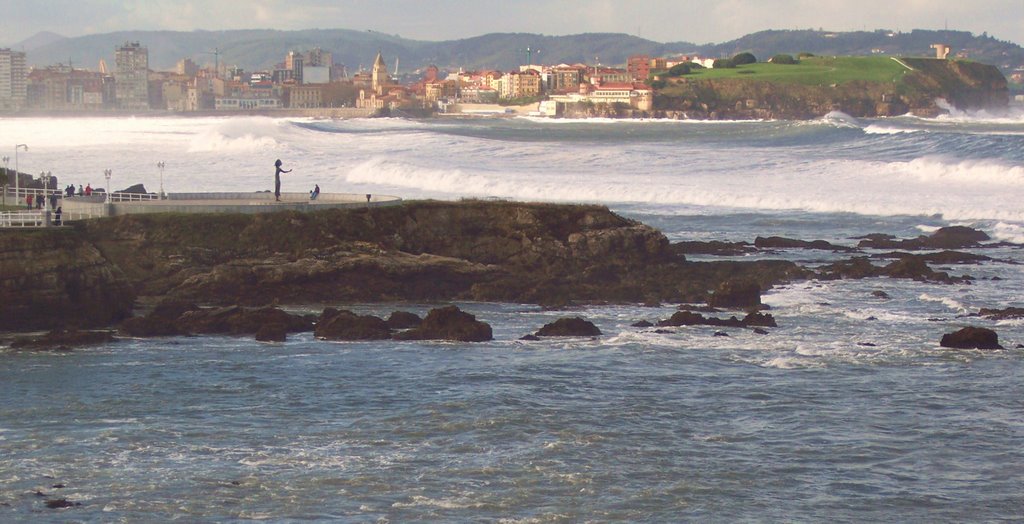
736,294
760,331
713,247
942,257
759,319
236,320
161,322
61,503
880,294
971,338
136,189
346,325
403,320
569,327
721,334
1002,314
530,338
789,243
953,237
275,332
449,323
63,340
642,324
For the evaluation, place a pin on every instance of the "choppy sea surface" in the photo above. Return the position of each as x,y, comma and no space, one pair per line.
849,411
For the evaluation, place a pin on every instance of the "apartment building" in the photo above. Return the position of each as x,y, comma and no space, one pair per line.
131,77
13,80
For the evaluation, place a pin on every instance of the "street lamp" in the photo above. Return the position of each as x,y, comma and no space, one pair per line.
16,172
7,178
45,177
161,165
106,173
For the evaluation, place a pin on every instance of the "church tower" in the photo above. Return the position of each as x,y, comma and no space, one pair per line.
380,75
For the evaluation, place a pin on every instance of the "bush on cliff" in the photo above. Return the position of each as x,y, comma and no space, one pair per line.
743,59
679,69
783,59
723,63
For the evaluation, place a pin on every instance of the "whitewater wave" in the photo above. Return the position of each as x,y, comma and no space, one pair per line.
248,134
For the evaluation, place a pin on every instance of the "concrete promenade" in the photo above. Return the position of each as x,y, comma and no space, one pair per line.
96,206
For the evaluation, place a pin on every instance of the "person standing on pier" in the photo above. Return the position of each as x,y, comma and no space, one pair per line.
277,179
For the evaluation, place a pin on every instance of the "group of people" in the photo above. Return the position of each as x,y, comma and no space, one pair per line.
39,201
70,190
313,194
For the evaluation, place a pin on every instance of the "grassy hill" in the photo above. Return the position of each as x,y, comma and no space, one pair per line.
815,71
860,86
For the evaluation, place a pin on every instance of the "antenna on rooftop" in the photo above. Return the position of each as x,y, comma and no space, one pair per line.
216,61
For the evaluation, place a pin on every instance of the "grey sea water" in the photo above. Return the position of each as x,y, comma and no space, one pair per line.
849,411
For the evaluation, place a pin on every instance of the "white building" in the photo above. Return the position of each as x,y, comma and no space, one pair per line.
13,80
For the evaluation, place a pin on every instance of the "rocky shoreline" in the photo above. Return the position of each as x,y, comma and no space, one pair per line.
230,274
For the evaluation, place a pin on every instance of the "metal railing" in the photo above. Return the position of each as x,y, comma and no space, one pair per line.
118,196
23,219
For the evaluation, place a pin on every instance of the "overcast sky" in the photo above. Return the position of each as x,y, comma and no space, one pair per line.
698,21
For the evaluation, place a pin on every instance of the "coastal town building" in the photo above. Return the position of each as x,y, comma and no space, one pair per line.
13,80
131,77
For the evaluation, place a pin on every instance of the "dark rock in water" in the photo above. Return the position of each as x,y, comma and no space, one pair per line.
1002,314
942,257
1020,346
529,337
346,325
736,294
721,334
789,243
953,237
689,318
58,504
713,247
58,486
272,333
664,332
971,338
449,323
857,267
761,331
866,344
759,319
880,294
135,189
871,318
236,320
63,340
161,322
642,324
569,327
403,320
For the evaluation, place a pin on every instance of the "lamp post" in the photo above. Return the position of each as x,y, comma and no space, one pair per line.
7,178
45,177
16,172
106,173
161,165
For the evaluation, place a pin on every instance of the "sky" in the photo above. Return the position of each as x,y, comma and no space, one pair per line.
697,21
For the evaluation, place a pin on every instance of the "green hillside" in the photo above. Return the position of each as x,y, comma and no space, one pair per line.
814,71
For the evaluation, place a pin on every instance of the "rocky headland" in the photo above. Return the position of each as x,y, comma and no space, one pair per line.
223,273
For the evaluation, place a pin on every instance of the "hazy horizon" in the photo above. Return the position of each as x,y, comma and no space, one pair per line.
659,21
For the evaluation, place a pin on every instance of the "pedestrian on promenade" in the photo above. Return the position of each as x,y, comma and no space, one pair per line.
28,202
56,215
277,179
53,200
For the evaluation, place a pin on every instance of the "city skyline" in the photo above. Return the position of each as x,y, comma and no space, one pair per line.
679,20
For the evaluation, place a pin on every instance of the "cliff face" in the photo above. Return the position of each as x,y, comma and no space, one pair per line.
965,85
430,251
56,278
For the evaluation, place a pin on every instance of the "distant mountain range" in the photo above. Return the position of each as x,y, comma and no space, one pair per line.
263,48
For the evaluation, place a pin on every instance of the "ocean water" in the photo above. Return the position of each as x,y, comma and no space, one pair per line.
849,411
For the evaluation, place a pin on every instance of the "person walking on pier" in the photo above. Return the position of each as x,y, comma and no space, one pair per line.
277,179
